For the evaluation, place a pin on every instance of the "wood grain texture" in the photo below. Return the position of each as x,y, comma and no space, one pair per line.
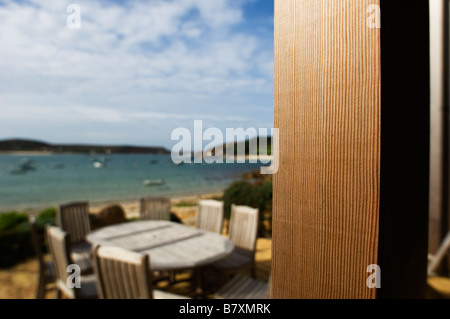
58,241
210,215
74,218
243,232
122,274
327,107
154,208
244,227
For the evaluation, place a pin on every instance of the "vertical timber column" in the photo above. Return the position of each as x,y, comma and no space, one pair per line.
337,191
327,106
437,101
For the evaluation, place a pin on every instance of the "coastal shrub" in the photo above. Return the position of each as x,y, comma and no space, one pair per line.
185,204
15,235
46,217
11,220
256,195
14,238
237,193
109,215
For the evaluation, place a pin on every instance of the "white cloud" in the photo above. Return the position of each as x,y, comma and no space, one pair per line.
168,60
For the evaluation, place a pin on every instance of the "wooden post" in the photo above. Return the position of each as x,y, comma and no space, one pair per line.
445,221
437,122
353,116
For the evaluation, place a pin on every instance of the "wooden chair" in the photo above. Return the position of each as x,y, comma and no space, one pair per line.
243,231
123,274
59,244
210,215
46,269
74,219
210,218
155,208
243,287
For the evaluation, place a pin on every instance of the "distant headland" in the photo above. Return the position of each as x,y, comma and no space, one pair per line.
13,146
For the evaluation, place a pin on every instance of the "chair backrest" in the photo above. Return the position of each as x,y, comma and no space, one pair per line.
36,240
122,274
155,208
74,219
210,215
243,230
58,242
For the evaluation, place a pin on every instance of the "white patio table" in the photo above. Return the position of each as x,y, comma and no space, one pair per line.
171,246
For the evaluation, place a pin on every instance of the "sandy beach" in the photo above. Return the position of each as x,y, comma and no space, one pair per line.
185,207
180,204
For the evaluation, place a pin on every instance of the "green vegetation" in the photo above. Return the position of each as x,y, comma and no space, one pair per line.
38,146
15,237
254,194
46,217
252,151
10,221
246,145
185,204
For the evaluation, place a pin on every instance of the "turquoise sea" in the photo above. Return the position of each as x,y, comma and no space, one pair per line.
48,180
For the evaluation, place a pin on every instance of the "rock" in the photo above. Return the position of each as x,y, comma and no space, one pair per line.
109,215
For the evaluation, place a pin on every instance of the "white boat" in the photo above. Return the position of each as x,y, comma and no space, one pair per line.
99,164
153,182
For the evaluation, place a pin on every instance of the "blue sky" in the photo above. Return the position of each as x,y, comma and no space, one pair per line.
135,70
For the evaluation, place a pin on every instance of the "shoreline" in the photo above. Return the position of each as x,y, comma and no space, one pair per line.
130,205
27,153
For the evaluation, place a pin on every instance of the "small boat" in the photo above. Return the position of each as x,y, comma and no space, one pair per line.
99,164
153,182
25,165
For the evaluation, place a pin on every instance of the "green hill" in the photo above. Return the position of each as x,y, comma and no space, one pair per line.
24,145
246,144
